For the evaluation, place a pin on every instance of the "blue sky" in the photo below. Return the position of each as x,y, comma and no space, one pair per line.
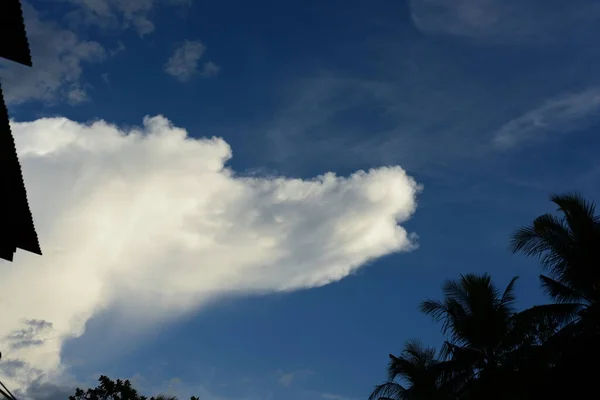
490,105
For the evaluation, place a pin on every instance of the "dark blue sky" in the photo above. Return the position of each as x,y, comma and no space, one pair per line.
492,106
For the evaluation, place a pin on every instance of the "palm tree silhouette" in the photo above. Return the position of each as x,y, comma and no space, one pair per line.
568,247
482,330
426,376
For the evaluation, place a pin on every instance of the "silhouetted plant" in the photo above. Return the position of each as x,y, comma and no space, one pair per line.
495,352
568,247
119,390
416,374
480,323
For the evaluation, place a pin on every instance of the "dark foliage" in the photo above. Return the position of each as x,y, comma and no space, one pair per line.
493,351
119,390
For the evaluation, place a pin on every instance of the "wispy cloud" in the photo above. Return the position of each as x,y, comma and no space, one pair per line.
557,116
416,120
119,14
210,69
31,335
119,48
183,64
287,378
58,58
514,21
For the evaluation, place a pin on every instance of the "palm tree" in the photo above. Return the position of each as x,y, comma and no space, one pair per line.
482,331
417,366
568,247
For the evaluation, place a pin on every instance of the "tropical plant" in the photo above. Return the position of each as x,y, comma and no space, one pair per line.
415,374
115,390
568,247
482,330
492,351
569,250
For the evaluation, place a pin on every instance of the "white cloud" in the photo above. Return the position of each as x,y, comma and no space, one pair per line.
560,115
152,223
183,64
58,55
506,20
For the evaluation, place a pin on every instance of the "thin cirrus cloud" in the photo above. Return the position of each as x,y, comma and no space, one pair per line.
501,21
560,115
183,63
151,222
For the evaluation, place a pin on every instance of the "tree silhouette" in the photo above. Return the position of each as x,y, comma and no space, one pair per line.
480,323
426,376
568,247
548,351
115,390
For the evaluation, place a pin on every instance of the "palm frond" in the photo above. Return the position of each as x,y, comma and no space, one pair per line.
551,316
548,239
402,368
437,310
415,352
567,246
388,390
458,290
578,211
508,297
559,292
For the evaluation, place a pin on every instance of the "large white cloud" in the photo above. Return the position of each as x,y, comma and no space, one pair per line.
152,222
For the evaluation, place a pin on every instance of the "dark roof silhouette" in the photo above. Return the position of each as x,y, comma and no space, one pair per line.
14,45
16,223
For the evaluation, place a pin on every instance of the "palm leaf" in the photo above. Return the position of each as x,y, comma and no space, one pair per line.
560,292
557,315
508,297
579,213
388,390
